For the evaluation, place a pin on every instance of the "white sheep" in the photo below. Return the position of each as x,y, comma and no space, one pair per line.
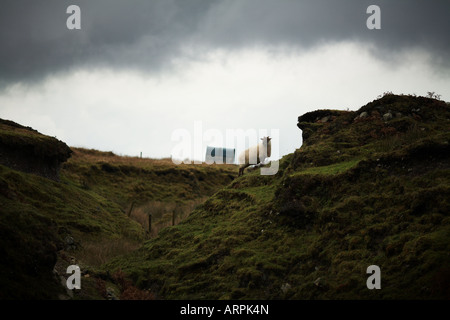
255,154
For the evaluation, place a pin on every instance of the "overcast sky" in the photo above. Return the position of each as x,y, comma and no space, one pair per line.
137,71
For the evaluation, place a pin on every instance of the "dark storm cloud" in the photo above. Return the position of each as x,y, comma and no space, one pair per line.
147,35
405,24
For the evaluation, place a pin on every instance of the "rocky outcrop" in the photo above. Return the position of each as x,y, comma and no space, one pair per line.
25,149
388,115
311,121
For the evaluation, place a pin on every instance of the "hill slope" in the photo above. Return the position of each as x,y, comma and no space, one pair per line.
54,213
370,187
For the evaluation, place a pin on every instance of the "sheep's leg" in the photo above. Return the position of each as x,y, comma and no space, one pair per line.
241,170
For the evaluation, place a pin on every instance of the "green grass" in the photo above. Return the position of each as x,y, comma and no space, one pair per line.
330,169
311,231
125,180
91,203
37,214
358,192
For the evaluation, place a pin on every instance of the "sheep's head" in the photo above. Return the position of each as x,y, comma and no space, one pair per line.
267,146
266,140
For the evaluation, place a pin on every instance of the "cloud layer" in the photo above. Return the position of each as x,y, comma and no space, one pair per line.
150,36
138,70
128,112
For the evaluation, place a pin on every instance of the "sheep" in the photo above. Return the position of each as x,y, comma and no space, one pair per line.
261,151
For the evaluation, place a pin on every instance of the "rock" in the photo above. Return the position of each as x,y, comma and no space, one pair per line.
70,243
363,115
387,116
29,151
318,282
325,119
69,240
285,287
110,294
398,115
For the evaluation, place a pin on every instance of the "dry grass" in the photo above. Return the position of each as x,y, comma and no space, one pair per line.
413,134
96,253
91,156
164,214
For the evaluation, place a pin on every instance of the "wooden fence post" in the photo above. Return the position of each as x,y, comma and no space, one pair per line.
149,223
131,208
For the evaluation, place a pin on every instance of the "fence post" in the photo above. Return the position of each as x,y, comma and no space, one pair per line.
149,223
131,209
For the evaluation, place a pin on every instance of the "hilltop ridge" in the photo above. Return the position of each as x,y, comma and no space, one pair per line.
365,188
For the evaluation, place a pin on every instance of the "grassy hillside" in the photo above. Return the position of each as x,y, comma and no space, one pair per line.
370,187
145,186
39,218
128,179
89,210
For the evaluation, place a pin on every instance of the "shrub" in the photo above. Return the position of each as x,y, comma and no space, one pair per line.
128,291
